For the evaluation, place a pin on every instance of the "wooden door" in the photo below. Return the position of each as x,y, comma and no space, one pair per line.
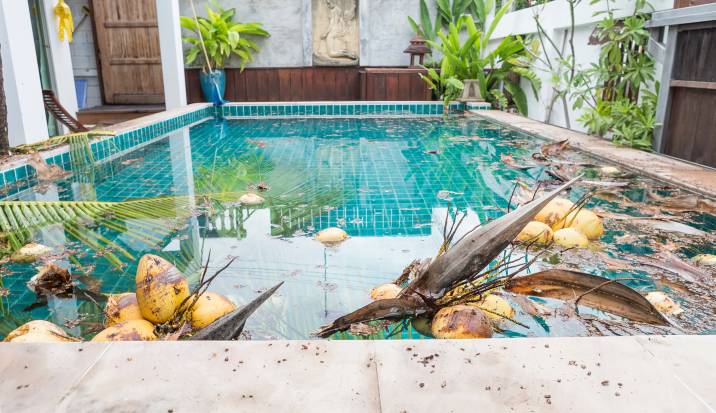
127,42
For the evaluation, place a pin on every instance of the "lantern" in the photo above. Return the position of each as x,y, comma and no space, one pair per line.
417,48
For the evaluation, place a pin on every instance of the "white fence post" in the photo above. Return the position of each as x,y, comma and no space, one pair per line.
172,53
23,90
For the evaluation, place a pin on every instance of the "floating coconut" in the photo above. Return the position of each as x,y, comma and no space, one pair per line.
30,253
554,211
161,288
251,199
496,308
132,330
331,235
385,291
461,321
609,170
585,221
210,307
39,331
536,232
120,308
705,259
664,303
570,238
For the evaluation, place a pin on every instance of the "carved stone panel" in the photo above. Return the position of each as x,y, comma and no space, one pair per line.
336,39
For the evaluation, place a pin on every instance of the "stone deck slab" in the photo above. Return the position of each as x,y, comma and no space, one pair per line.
697,178
629,374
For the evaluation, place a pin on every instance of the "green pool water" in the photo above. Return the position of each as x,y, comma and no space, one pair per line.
387,182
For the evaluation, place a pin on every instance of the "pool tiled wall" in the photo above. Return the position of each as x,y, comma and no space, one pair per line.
341,109
22,176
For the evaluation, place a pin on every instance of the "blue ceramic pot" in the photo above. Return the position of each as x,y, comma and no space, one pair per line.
213,86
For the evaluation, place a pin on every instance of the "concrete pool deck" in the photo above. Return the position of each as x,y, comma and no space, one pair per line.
694,177
622,374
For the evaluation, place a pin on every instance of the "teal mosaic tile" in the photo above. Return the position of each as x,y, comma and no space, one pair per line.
21,177
335,110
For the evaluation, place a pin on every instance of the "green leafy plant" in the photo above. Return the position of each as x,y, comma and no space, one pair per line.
548,57
615,93
446,86
497,69
222,38
447,13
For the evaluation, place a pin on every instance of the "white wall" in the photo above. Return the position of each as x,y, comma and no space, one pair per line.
555,18
84,61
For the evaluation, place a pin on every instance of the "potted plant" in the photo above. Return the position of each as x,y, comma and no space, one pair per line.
217,38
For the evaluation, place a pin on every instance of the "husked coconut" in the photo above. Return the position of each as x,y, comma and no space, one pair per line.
209,308
570,238
496,308
251,199
664,303
422,326
39,331
385,291
51,280
161,288
121,307
132,330
331,235
30,253
554,211
708,260
585,221
536,232
461,321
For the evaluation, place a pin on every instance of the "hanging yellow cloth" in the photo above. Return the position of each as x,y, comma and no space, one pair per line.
65,25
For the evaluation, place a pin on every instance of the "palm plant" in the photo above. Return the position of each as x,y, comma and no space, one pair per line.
447,13
222,38
617,93
149,221
497,69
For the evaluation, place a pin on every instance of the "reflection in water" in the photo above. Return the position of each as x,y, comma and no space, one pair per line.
387,182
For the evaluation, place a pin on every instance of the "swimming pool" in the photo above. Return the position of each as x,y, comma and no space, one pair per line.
386,180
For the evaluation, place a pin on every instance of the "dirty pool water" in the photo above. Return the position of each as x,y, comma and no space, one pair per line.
389,183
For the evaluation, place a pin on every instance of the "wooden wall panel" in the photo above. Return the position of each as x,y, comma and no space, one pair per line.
688,3
692,125
695,57
315,84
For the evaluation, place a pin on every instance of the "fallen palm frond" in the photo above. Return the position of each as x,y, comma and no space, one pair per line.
230,326
464,261
592,291
148,221
79,142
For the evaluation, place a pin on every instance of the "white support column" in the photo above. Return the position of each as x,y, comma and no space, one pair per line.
172,53
23,90
60,60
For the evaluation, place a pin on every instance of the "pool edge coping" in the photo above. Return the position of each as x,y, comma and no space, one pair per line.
654,165
547,374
